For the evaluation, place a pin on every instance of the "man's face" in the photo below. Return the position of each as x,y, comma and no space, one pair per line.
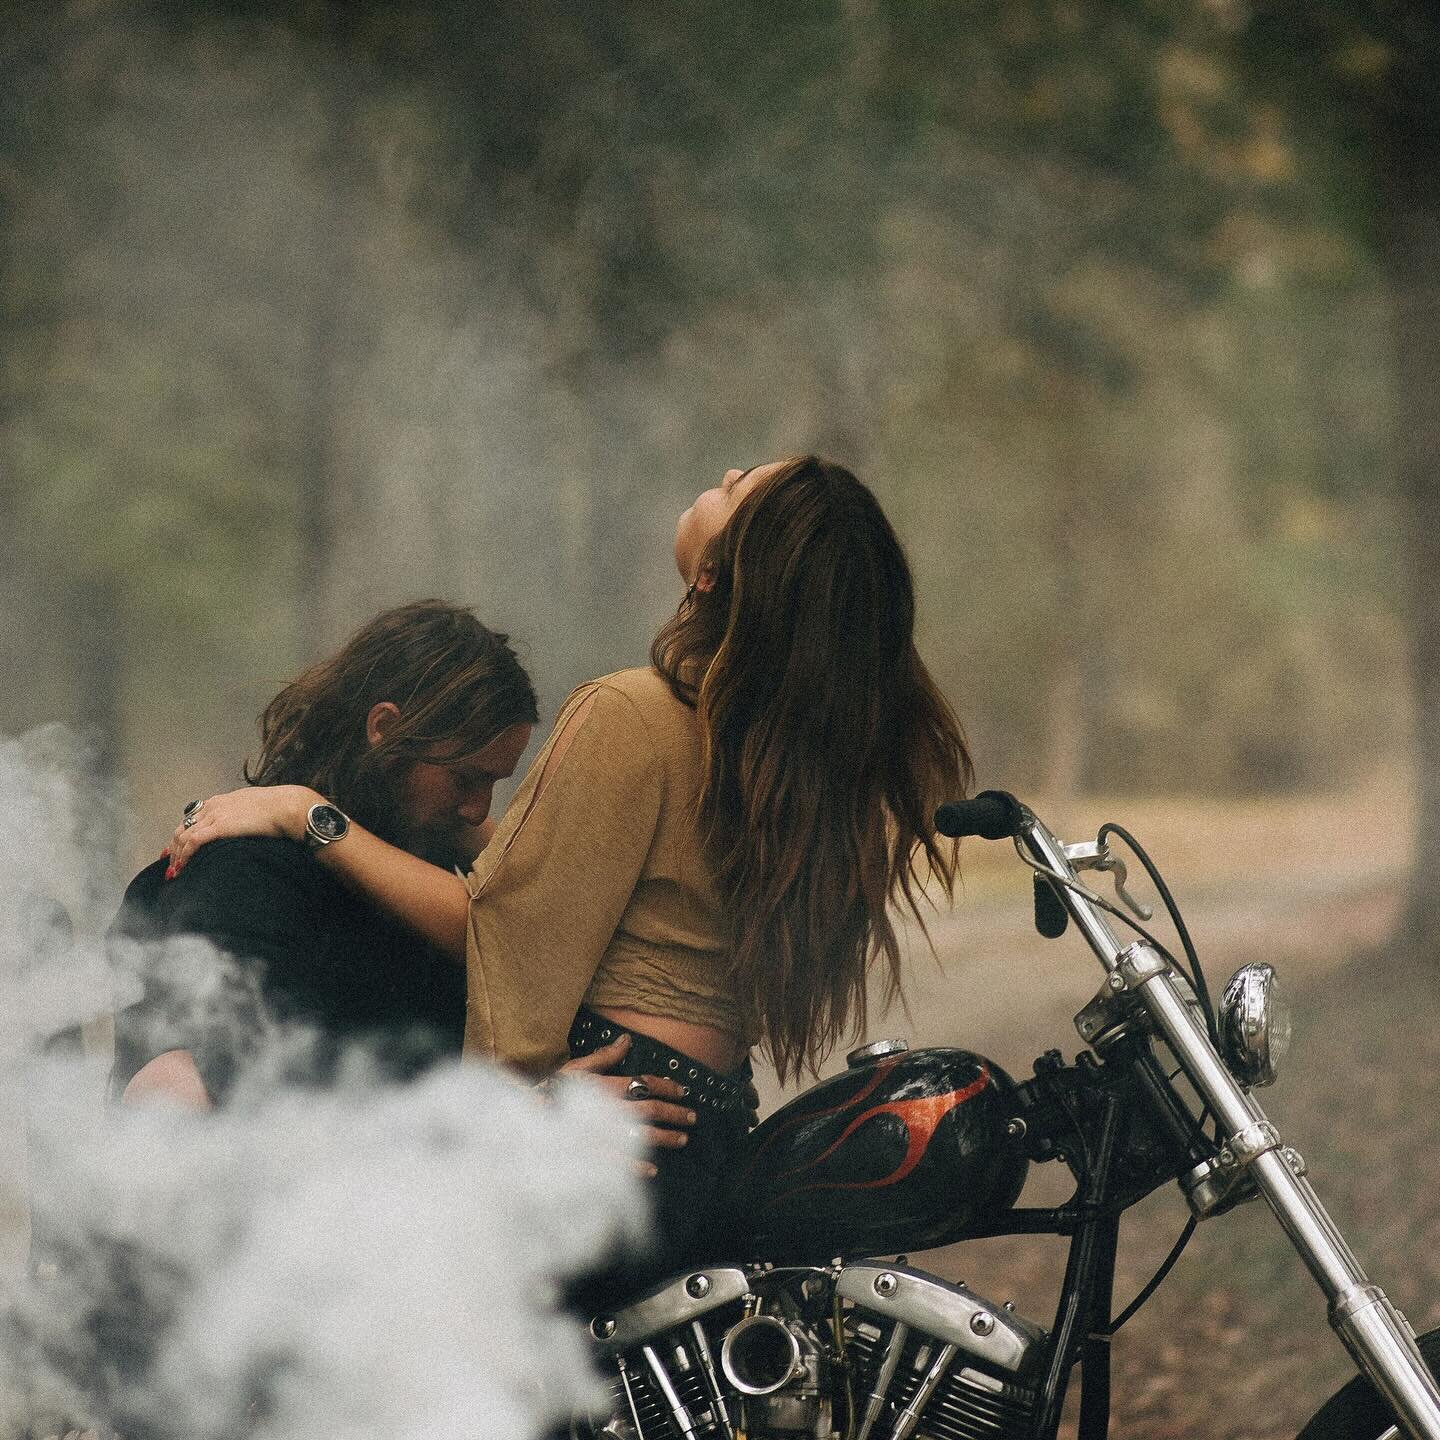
441,805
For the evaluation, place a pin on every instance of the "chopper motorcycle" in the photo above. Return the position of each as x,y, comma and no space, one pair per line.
798,1329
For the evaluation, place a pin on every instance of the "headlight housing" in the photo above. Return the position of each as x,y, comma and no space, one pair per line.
1254,1025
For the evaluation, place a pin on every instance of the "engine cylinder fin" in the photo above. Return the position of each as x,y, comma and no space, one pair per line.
629,1393
964,1409
967,1404
915,1406
876,1403
679,1411
636,1395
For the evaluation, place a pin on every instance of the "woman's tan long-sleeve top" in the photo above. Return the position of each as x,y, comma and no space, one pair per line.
595,888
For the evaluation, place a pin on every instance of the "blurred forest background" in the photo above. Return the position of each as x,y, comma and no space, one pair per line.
1130,312
309,309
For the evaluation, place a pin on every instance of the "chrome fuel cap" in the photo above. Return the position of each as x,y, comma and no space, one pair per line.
876,1050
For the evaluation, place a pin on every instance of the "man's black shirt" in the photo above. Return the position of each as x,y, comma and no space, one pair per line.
321,956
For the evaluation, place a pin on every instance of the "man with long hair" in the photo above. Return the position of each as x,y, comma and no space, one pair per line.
413,722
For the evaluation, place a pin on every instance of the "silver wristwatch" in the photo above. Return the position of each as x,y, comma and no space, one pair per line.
325,824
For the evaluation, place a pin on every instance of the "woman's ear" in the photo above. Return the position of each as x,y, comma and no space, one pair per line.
705,577
379,721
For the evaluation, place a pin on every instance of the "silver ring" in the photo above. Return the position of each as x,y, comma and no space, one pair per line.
192,812
193,806
637,1090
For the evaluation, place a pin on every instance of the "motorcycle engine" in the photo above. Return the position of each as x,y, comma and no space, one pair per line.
870,1351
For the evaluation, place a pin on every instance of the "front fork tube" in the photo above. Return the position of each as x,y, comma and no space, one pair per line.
1372,1330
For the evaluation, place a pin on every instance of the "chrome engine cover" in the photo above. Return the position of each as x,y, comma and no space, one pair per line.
883,1352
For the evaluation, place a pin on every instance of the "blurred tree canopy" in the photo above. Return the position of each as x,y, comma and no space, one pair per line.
310,308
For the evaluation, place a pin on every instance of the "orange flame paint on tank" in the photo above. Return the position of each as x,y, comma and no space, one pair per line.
919,1117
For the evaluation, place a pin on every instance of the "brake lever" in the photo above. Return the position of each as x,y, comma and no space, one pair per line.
1137,907
1094,855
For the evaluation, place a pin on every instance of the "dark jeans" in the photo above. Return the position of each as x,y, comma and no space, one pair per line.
688,1192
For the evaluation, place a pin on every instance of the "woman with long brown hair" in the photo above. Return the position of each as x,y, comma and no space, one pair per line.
705,853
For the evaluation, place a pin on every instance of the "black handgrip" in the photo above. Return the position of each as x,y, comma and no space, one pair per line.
992,815
1051,917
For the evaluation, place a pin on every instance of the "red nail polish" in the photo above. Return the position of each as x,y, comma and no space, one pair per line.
172,872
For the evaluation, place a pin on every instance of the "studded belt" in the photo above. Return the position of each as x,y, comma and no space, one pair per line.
704,1088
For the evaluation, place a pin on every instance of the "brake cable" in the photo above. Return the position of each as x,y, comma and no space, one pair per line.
1157,1279
1197,973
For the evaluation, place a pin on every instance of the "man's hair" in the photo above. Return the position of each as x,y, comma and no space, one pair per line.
456,684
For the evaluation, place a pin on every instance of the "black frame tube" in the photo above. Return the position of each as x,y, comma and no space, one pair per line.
1089,1284
1094,1420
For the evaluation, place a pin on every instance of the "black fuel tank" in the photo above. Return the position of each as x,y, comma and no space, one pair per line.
904,1151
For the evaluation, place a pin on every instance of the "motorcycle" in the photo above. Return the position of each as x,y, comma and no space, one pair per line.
803,1331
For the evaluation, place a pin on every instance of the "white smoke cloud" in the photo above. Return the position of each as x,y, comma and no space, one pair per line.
56,886
357,1260
365,1261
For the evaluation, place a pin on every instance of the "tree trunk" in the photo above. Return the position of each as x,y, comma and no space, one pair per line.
1408,172
328,484
323,487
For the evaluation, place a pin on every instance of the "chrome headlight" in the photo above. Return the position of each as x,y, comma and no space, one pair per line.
1254,1025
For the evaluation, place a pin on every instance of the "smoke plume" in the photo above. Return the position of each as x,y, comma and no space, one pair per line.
362,1259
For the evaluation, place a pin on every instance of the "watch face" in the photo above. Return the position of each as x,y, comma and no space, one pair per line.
327,823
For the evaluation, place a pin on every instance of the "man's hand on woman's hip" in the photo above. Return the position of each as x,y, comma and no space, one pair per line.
655,1101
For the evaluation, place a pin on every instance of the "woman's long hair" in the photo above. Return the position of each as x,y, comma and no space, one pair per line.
457,685
826,750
